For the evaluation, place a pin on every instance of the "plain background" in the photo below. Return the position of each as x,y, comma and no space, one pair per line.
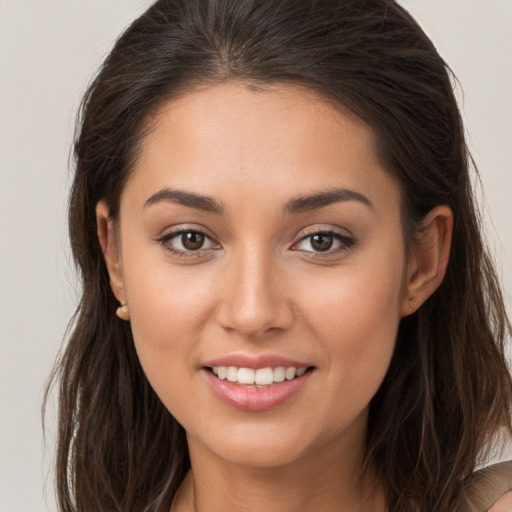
49,50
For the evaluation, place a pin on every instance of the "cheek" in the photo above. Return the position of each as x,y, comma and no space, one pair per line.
168,309
163,306
359,298
355,316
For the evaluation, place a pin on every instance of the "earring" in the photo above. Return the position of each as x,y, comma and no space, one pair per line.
122,311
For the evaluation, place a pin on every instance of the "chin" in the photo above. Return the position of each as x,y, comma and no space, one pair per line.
258,444
253,447
260,455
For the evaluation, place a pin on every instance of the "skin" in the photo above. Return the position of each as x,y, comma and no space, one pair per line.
260,287
503,505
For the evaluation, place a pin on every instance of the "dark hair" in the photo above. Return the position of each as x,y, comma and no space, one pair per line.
447,392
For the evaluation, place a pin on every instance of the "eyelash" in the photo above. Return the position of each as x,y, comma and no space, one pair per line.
345,243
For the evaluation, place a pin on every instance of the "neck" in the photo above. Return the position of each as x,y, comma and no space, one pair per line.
328,479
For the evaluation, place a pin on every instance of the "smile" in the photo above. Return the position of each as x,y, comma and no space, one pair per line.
257,389
257,377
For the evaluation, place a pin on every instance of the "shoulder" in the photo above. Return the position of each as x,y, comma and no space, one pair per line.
489,490
504,504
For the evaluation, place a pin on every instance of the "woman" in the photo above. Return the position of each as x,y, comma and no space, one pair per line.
274,198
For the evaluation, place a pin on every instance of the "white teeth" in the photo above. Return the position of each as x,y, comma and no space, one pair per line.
232,374
290,373
264,376
259,377
279,374
245,376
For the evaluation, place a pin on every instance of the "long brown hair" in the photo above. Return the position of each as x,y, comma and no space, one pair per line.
448,390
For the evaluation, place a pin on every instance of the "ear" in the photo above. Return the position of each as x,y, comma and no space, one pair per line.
109,246
429,259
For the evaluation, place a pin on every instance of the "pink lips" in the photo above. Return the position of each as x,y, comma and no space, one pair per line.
254,399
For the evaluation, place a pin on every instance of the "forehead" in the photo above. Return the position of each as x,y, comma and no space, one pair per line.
229,138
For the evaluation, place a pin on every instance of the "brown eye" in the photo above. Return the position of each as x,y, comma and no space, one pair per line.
188,242
322,242
192,240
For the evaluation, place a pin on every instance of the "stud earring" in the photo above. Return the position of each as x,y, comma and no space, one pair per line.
122,311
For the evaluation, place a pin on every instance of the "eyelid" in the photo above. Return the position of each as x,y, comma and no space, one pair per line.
317,228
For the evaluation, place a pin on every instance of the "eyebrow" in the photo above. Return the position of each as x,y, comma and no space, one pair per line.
294,206
325,198
189,199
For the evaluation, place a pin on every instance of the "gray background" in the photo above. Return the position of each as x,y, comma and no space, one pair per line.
49,49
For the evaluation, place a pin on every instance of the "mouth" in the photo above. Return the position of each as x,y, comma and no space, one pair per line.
258,377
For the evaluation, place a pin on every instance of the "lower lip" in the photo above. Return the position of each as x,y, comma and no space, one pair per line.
255,399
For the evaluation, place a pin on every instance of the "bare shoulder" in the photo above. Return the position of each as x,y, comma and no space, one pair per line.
504,504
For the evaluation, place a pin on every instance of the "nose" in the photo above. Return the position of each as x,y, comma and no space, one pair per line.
253,299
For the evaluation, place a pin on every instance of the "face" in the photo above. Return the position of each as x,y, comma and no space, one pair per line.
262,258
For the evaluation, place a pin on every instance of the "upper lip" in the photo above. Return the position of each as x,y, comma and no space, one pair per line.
255,362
